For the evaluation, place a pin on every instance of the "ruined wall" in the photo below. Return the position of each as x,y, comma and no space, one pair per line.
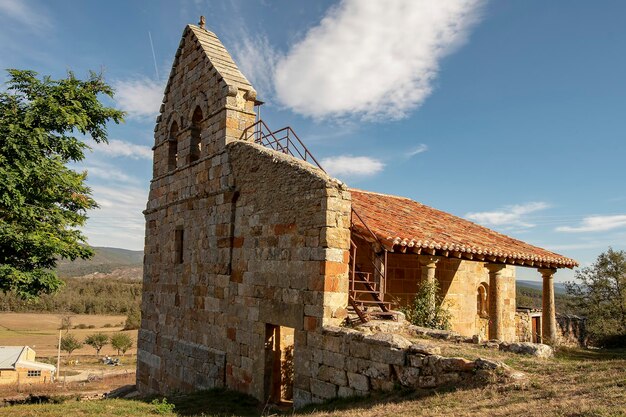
346,362
459,281
571,330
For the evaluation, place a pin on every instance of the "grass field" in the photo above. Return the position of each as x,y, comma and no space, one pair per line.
575,383
41,331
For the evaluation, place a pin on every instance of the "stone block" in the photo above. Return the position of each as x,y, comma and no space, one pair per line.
358,381
332,375
323,389
388,355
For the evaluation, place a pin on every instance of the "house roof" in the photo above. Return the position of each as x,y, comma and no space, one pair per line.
404,225
12,357
9,355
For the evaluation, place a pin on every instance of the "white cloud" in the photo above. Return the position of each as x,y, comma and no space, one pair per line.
421,148
256,58
352,166
140,97
119,221
25,13
108,173
372,59
596,224
511,216
125,149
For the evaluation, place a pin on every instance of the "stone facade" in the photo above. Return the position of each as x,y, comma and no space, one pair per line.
239,239
460,283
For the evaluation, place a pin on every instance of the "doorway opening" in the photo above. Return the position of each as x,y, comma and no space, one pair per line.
279,353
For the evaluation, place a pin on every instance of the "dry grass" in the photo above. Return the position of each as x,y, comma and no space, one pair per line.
41,331
575,383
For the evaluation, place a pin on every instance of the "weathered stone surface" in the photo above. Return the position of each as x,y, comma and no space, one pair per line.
525,348
323,389
358,381
424,349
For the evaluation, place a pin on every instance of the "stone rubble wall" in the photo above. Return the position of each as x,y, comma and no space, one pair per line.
345,362
572,330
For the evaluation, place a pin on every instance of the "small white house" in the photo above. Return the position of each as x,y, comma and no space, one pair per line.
18,366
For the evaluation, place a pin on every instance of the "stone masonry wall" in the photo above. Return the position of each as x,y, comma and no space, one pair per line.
290,254
238,238
346,362
458,281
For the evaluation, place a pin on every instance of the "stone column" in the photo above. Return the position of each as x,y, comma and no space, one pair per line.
548,315
496,325
429,266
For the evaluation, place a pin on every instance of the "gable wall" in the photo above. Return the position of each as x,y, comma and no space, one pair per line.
265,240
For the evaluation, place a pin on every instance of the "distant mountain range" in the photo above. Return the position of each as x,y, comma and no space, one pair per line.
105,260
559,287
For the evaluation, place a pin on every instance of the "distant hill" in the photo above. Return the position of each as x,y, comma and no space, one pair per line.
105,261
559,287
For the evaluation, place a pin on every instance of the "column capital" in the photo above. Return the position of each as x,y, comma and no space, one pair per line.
428,261
547,272
495,268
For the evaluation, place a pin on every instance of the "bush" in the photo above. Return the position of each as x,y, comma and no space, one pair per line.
162,407
427,308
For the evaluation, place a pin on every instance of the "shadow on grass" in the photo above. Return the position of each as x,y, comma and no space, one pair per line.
581,354
222,402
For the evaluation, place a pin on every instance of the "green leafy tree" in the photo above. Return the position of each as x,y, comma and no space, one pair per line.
69,344
97,341
427,308
122,342
43,203
600,296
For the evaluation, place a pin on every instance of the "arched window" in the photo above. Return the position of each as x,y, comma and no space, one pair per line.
482,305
196,145
172,147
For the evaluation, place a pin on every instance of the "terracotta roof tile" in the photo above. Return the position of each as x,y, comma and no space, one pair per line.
402,224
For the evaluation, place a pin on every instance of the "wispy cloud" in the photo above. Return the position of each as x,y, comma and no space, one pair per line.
510,216
357,62
26,13
256,58
421,148
123,149
119,221
352,166
140,97
596,224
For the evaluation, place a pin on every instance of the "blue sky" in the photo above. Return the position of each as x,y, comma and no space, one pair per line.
510,114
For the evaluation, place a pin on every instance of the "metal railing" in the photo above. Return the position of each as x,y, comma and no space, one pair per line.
282,140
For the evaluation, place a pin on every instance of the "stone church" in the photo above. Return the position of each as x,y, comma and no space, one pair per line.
253,252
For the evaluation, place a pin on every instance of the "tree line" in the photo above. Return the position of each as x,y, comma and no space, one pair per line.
80,296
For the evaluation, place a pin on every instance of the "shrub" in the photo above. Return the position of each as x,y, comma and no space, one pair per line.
162,407
427,308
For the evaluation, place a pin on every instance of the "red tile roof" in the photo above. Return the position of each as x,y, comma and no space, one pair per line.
404,225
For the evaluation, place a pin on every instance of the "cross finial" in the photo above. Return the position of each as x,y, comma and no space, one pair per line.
202,22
